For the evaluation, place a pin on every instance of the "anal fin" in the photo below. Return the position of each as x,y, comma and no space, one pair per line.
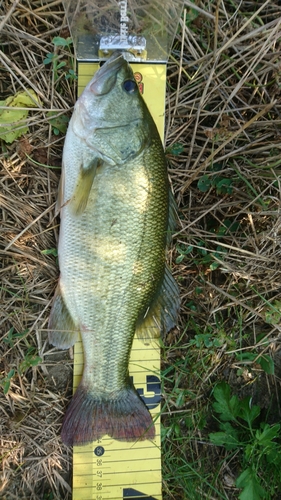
163,311
62,331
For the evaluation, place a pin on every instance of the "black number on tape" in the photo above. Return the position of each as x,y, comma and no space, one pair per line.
131,494
153,384
99,451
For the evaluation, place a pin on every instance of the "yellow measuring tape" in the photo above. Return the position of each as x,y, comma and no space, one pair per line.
115,470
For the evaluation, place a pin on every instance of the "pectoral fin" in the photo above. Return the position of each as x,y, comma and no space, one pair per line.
163,312
62,331
83,187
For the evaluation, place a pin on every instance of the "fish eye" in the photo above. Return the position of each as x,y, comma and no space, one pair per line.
130,86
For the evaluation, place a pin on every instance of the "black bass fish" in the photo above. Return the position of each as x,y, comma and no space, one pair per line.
114,207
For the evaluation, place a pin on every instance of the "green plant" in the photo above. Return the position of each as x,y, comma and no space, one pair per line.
59,122
272,312
222,185
205,340
175,149
14,116
201,255
6,381
54,58
30,357
264,360
13,336
257,443
50,251
30,360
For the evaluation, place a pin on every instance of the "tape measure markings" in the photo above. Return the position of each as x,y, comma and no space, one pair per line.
108,469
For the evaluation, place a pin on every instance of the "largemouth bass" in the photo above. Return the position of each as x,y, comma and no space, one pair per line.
114,206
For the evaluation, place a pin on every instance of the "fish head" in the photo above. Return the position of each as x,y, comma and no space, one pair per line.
111,115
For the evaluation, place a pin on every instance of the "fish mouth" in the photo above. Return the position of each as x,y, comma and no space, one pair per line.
105,78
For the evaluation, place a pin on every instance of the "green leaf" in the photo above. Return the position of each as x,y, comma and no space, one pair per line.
273,455
58,41
266,363
228,437
6,386
249,449
71,75
248,412
176,149
50,251
216,167
9,339
204,184
49,59
14,117
227,226
61,65
179,259
177,430
267,433
183,251
59,123
191,15
35,360
214,266
227,406
245,356
223,185
29,361
248,481
273,313
7,381
11,373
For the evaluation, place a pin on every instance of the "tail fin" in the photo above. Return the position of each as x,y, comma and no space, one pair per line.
125,418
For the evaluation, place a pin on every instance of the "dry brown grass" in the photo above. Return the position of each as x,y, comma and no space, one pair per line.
223,109
34,463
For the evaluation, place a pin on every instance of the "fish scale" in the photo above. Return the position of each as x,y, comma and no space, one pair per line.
111,280
114,221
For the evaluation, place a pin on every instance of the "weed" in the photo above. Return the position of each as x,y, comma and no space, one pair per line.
257,442
201,255
30,357
223,185
59,122
272,312
54,59
264,360
205,340
30,360
176,149
6,381
50,251
12,337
